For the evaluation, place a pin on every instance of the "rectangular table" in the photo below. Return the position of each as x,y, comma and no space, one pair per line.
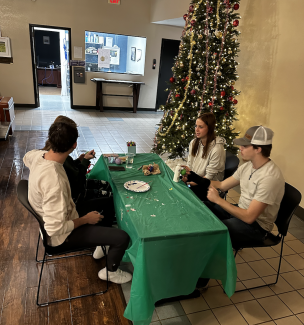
99,94
175,238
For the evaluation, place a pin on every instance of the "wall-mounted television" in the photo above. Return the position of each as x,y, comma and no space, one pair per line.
115,53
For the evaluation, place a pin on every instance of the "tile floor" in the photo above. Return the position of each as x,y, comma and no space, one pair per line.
282,304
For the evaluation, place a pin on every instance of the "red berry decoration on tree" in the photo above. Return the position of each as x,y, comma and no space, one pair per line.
210,103
172,79
193,22
236,23
177,95
191,8
183,80
236,6
230,98
181,116
187,78
210,10
184,88
227,114
223,93
235,102
193,92
222,108
232,88
185,16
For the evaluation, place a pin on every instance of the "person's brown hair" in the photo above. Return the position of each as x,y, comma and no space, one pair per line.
61,119
266,150
209,120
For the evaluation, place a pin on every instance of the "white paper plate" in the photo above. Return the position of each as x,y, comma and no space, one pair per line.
137,186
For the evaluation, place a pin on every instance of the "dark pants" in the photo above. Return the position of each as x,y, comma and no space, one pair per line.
241,233
88,236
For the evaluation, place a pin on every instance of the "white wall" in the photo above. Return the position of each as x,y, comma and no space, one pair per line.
137,67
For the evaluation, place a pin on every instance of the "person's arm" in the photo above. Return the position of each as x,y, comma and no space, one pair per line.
91,218
216,162
247,215
225,185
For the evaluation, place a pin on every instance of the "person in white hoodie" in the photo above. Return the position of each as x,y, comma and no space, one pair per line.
50,196
206,154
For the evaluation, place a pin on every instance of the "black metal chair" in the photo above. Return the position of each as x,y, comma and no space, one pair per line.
290,202
231,165
22,194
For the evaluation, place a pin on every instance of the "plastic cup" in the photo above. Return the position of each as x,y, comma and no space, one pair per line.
129,160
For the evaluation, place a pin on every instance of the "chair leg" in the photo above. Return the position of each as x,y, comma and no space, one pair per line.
278,273
70,298
38,248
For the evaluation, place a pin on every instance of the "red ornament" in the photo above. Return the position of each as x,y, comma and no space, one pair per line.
177,95
184,88
193,22
181,116
187,78
183,80
210,103
191,8
232,88
185,16
236,23
172,79
193,92
230,98
222,108
227,114
210,10
236,6
223,93
235,102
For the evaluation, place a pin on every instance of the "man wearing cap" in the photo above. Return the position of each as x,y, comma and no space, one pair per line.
262,189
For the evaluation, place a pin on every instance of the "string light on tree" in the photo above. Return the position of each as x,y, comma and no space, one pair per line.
204,75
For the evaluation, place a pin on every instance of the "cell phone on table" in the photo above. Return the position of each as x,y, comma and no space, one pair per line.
116,168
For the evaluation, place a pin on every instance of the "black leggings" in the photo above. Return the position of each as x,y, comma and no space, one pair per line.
101,234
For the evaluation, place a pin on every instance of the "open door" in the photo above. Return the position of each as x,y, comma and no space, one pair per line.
34,66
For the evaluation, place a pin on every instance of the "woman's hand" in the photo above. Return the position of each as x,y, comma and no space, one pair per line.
185,179
93,217
81,157
188,170
90,154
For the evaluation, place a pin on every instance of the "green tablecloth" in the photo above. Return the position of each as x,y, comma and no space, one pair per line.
175,238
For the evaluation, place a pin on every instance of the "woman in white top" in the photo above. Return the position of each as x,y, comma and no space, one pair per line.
206,153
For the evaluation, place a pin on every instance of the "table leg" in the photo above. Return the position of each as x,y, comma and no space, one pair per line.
99,97
136,89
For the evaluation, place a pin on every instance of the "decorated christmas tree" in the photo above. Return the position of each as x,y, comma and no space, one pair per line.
203,77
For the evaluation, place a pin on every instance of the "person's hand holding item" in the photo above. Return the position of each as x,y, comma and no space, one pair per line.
93,217
81,157
213,194
90,154
188,170
185,178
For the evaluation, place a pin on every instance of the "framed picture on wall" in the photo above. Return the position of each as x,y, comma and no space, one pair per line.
133,53
138,55
5,47
46,40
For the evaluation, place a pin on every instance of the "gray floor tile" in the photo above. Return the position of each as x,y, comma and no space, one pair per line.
183,320
297,232
170,310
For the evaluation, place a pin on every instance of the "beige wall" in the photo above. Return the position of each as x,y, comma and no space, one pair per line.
132,17
272,79
168,9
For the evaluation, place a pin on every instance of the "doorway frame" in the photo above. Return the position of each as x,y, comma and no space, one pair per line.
35,81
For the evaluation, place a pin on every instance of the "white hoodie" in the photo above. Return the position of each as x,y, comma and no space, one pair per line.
213,166
50,196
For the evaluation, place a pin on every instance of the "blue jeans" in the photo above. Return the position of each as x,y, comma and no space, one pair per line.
241,233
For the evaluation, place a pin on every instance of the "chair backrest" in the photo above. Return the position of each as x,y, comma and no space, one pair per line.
291,199
231,165
22,194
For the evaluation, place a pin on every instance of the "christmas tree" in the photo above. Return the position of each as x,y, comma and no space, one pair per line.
204,76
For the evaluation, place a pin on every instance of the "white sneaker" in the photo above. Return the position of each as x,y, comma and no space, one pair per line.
118,276
98,253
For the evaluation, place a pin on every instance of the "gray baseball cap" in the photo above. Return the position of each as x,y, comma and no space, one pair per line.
258,135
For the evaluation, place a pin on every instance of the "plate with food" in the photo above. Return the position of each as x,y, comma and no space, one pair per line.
137,186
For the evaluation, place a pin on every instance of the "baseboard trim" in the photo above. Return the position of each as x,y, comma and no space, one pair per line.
300,212
108,108
25,105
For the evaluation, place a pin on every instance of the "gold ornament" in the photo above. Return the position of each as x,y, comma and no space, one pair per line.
219,73
229,52
200,36
224,60
181,64
218,34
183,136
164,147
232,82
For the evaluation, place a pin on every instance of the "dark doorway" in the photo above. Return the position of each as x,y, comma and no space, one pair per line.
50,67
169,50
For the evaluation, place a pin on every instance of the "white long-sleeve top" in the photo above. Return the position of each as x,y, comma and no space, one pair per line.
213,166
50,196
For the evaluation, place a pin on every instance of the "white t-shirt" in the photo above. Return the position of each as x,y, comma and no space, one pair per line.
50,196
266,185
